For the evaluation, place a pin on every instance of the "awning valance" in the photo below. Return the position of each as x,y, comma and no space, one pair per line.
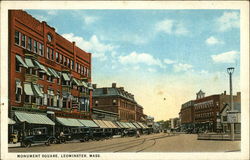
88,123
28,89
65,77
11,121
33,118
137,125
69,122
20,60
29,62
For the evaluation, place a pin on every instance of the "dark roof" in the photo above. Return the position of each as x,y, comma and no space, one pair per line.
98,92
237,107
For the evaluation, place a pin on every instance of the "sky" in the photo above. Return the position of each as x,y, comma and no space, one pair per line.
163,57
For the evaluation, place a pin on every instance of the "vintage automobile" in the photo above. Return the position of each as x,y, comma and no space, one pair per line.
38,135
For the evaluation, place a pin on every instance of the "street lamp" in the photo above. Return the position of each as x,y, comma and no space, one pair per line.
230,71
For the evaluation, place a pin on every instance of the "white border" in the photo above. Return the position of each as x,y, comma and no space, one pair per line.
243,6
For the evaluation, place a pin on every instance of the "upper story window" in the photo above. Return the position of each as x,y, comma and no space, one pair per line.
29,44
64,61
60,59
72,64
19,91
57,57
40,49
76,67
23,41
68,64
35,46
49,37
79,68
52,54
17,37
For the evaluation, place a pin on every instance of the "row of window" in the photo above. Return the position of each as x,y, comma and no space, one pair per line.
204,106
204,115
49,99
38,48
126,115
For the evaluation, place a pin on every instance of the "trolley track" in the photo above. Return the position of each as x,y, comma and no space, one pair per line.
122,146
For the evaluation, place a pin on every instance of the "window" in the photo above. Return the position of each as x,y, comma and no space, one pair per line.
87,72
40,74
84,70
17,37
23,41
58,81
49,78
30,99
52,54
72,64
61,59
18,91
48,53
64,61
18,67
57,58
68,62
40,49
224,118
96,103
79,68
29,44
76,67
35,46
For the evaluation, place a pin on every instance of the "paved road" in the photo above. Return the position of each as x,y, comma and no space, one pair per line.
161,142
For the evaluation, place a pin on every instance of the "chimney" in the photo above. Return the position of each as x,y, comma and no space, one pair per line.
105,90
94,86
225,92
113,85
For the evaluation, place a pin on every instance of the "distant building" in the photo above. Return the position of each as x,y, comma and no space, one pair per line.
202,113
117,100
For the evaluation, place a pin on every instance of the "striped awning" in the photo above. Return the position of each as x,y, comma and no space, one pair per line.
69,122
38,91
131,125
84,84
20,60
65,77
76,82
100,123
29,62
33,118
11,121
53,72
119,124
141,124
137,125
109,124
124,125
28,89
88,123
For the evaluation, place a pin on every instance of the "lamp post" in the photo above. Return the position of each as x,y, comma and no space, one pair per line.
230,71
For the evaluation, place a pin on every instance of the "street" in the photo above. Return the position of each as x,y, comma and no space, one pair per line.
161,142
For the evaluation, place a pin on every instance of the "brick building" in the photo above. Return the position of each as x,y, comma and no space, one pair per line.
187,115
46,71
116,99
206,110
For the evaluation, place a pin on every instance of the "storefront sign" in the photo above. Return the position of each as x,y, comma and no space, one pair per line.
232,117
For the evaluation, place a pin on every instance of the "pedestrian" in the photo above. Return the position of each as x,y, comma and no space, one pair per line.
137,134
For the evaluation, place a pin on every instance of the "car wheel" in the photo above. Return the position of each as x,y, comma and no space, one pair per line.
26,144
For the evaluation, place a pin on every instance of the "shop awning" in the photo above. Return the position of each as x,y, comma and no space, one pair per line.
28,89
69,122
131,125
29,62
11,121
119,124
20,60
65,77
100,123
109,124
84,84
53,72
88,123
33,118
76,82
38,91
124,125
90,86
141,124
137,125
39,66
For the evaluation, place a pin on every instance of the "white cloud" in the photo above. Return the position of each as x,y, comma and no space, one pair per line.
228,21
227,57
171,27
92,45
40,17
212,41
140,58
151,70
169,61
52,12
182,67
89,19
